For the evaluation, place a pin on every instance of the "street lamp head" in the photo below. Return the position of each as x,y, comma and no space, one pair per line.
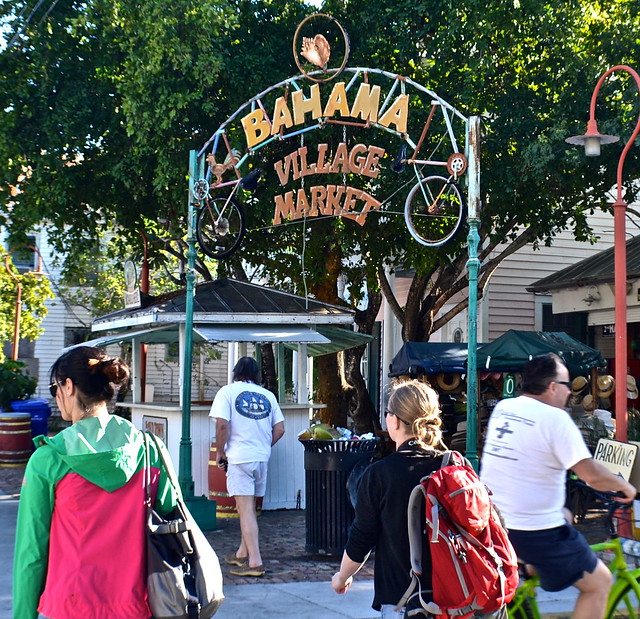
592,139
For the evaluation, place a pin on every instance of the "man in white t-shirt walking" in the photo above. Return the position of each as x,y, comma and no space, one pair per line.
531,442
248,423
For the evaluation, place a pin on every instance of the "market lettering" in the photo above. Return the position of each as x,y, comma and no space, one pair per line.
325,200
361,159
365,106
619,454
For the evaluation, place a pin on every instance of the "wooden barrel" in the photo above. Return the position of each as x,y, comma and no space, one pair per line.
15,439
225,504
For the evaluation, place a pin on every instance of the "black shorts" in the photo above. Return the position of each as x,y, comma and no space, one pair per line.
560,555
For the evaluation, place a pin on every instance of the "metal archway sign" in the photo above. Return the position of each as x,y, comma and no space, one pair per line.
373,113
385,121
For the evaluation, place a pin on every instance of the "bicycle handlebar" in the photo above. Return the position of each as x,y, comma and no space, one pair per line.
607,497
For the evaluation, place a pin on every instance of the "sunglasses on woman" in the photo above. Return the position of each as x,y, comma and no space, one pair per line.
53,389
388,412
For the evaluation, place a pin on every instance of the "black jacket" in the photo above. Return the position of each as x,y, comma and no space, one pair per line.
381,520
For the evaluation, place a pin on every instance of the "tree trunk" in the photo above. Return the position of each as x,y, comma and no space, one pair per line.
364,414
269,375
333,390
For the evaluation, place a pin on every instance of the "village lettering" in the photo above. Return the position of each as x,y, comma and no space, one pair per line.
360,159
258,128
611,453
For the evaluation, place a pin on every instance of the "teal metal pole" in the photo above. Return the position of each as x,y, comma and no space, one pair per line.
473,266
185,476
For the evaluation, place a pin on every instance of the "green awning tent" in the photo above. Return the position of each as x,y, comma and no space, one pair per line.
512,350
338,339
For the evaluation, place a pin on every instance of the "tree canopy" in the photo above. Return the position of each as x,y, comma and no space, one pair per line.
103,100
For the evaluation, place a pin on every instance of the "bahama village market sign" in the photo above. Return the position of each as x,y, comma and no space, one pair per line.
360,159
323,144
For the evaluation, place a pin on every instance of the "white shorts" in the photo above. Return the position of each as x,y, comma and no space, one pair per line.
247,479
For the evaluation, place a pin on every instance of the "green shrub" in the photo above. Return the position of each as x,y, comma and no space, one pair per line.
15,383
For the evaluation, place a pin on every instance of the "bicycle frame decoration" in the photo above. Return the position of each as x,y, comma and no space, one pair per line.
374,110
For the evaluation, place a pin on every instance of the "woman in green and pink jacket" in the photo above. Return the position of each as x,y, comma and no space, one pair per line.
80,537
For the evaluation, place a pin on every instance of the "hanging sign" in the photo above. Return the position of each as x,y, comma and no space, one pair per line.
509,386
616,456
328,143
360,159
132,292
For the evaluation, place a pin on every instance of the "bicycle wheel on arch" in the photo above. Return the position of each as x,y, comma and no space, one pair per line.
434,210
220,227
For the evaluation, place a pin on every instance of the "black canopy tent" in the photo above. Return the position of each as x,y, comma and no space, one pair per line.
416,358
508,353
512,350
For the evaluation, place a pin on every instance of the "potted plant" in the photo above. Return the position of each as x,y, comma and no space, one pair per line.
15,383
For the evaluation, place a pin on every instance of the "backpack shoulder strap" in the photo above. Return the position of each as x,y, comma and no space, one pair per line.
454,458
415,520
446,458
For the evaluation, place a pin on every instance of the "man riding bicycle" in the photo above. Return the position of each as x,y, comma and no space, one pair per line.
531,442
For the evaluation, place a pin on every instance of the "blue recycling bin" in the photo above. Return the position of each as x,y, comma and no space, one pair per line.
39,410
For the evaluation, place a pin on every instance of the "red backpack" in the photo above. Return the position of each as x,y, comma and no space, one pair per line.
475,568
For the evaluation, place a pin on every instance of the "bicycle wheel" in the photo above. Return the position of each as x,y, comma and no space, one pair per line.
220,227
434,210
625,604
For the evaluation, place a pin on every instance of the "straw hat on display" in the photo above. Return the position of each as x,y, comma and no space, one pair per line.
588,402
578,385
448,382
632,388
606,386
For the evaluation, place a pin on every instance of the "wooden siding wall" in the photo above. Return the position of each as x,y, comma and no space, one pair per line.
507,304
61,315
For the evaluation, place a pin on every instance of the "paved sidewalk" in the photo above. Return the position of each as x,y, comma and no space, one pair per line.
300,599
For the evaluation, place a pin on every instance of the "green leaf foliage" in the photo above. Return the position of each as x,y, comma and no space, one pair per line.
15,383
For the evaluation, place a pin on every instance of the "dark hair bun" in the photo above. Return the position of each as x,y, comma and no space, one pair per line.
116,371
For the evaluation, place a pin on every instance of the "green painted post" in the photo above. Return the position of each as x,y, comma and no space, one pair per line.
473,266
185,476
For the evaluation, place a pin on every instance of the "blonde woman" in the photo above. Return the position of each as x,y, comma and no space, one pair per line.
413,423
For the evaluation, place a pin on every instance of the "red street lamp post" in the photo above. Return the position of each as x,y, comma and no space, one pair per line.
18,310
592,140
16,323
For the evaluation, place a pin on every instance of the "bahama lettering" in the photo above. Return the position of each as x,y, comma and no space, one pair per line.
330,199
258,128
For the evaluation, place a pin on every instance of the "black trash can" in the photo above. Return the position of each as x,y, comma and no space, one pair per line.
328,512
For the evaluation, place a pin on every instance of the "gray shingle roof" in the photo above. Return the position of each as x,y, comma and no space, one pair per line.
231,300
596,269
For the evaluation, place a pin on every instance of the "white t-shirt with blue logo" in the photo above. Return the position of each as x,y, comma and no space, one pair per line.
251,411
